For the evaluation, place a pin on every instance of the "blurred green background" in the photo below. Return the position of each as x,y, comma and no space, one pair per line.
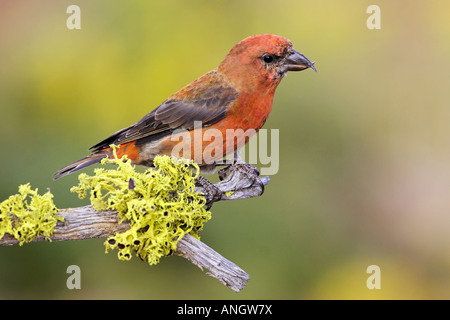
364,172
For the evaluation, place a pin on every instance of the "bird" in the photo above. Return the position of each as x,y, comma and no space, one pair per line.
236,96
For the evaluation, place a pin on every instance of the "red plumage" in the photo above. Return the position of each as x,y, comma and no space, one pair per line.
237,96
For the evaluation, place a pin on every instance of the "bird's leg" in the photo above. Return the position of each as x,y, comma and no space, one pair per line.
238,180
238,161
239,164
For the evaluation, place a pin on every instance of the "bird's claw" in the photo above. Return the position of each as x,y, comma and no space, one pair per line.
247,174
244,167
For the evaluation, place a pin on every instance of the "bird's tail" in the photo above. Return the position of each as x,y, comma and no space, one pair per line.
80,164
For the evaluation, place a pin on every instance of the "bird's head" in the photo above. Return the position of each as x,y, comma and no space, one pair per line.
262,60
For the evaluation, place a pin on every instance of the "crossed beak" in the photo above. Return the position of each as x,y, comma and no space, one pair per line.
297,62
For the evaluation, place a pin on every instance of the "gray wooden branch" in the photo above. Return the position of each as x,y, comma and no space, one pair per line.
237,183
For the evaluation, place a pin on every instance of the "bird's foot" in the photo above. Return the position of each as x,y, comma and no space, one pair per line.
241,166
244,175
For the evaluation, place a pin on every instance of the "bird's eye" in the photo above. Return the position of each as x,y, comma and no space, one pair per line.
267,58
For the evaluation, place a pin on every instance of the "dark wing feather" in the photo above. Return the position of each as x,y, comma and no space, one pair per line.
207,100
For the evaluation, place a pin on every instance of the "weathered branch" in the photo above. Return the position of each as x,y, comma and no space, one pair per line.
237,183
86,223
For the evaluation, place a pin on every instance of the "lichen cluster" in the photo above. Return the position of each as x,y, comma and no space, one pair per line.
159,204
28,214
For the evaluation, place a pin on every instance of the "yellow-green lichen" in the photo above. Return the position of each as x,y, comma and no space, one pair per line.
28,214
159,204
229,193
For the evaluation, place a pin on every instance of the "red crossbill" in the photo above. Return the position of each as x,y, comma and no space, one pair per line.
237,95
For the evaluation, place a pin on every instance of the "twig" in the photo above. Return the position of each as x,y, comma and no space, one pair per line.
86,223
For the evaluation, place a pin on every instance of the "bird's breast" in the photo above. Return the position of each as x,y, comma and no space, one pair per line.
250,111
207,144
